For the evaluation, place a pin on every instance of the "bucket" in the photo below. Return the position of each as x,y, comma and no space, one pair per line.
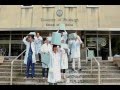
72,36
56,38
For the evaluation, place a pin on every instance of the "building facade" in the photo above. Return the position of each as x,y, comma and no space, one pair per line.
98,25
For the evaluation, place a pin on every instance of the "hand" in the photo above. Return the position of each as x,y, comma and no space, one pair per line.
26,36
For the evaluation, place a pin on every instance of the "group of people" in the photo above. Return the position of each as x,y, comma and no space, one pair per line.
54,58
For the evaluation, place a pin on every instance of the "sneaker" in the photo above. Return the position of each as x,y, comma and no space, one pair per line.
43,77
80,69
33,77
25,77
73,69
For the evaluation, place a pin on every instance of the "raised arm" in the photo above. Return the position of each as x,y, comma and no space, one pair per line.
79,39
24,40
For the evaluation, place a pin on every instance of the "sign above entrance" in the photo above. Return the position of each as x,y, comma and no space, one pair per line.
56,22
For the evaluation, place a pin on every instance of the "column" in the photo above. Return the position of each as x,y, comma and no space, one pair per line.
10,45
110,51
97,45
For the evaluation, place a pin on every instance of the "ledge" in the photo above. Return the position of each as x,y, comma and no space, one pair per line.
48,6
92,6
74,6
26,7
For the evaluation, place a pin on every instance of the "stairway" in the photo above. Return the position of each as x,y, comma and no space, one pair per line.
110,74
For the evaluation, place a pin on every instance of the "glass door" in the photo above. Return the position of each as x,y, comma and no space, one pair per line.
115,44
91,43
103,46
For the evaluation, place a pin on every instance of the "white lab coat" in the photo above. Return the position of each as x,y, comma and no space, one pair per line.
64,37
45,49
75,48
27,51
64,60
54,74
38,43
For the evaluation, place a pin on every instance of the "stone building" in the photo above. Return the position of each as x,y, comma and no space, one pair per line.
98,25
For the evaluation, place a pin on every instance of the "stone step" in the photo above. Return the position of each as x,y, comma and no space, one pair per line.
109,74
83,71
18,69
39,66
29,83
110,83
4,82
102,71
109,80
84,81
92,76
82,61
21,79
38,75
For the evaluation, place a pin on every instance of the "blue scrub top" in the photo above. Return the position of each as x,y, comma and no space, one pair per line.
30,53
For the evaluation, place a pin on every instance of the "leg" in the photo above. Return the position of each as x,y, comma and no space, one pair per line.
36,55
33,69
43,72
27,68
79,64
55,83
51,83
73,64
64,74
39,55
47,72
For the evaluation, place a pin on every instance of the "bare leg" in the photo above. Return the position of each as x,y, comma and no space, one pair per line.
73,64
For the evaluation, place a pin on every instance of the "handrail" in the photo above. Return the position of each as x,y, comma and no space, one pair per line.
92,66
11,76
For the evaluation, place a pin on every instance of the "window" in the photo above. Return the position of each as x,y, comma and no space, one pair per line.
48,6
92,6
26,6
71,5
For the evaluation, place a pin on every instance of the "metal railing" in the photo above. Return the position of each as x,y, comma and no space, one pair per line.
98,64
11,76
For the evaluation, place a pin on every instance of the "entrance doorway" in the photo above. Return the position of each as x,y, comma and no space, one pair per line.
103,46
99,42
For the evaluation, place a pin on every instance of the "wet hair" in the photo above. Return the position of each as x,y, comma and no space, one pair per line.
37,32
60,31
50,33
54,46
32,36
44,39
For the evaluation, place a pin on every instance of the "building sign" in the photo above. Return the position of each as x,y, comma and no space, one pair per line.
56,22
59,13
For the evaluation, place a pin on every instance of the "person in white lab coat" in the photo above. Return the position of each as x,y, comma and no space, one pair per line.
64,36
46,48
49,38
38,43
75,52
70,46
64,61
54,75
63,32
29,59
